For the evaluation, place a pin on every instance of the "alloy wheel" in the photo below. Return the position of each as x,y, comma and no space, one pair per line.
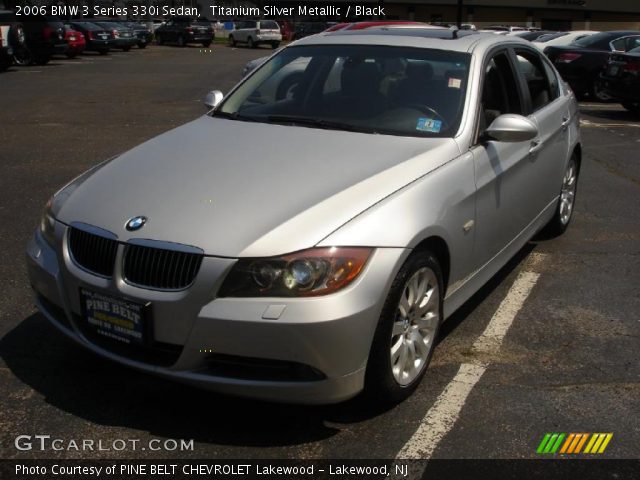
415,326
568,192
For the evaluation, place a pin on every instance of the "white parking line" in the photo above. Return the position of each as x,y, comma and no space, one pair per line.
444,413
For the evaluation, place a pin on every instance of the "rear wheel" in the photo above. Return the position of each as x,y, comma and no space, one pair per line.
5,63
275,45
71,54
181,41
405,336
232,41
103,52
142,45
206,44
564,211
126,49
159,39
250,43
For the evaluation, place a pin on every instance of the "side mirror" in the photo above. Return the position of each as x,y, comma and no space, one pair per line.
213,99
512,128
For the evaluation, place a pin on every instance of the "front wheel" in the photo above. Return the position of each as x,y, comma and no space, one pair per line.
250,43
126,49
232,41
23,57
103,52
181,41
159,39
564,211
275,45
206,44
407,329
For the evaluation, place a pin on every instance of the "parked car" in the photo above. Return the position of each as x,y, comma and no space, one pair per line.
404,176
123,36
183,31
98,39
582,62
12,36
286,29
559,39
621,79
254,33
504,29
142,33
379,23
75,41
43,38
304,29
531,35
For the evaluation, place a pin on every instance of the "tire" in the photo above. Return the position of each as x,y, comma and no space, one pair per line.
23,57
142,45
71,55
232,41
633,107
159,39
181,41
275,45
388,378
287,83
564,210
103,52
597,93
251,43
126,49
206,44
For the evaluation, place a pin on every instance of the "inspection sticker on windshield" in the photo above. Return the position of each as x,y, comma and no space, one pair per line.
429,125
455,83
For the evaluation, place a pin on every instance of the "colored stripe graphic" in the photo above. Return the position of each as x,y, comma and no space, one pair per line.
572,443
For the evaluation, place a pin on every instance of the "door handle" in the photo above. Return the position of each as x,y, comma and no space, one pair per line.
536,146
565,122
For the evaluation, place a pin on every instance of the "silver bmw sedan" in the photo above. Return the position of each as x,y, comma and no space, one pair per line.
304,244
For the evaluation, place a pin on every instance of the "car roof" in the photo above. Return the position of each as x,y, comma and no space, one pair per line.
436,38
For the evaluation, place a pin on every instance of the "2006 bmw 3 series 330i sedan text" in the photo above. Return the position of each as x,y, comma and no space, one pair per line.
304,240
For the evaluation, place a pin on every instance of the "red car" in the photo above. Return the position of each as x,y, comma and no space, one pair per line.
76,42
286,29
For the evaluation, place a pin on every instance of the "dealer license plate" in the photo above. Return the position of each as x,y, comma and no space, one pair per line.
114,318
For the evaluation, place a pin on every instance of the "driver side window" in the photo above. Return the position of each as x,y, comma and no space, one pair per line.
499,92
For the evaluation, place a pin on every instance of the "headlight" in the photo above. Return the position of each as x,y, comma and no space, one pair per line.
318,271
48,223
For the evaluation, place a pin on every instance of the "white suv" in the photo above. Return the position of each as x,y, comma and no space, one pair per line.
256,32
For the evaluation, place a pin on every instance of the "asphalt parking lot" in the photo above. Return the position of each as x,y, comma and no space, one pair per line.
568,361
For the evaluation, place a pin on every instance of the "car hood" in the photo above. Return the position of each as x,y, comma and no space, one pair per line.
240,189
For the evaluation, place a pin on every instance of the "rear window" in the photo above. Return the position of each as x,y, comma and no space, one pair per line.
269,25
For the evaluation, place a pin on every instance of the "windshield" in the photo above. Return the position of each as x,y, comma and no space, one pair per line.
551,36
370,89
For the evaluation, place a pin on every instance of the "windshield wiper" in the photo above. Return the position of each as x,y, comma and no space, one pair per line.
317,123
235,116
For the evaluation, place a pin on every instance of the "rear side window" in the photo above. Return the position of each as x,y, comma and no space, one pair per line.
537,78
269,25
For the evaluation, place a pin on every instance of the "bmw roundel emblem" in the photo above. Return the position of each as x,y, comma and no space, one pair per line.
136,223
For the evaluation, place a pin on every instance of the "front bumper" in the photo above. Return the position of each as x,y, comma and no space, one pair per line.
315,352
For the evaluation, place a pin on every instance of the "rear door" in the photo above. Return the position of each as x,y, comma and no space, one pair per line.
550,111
